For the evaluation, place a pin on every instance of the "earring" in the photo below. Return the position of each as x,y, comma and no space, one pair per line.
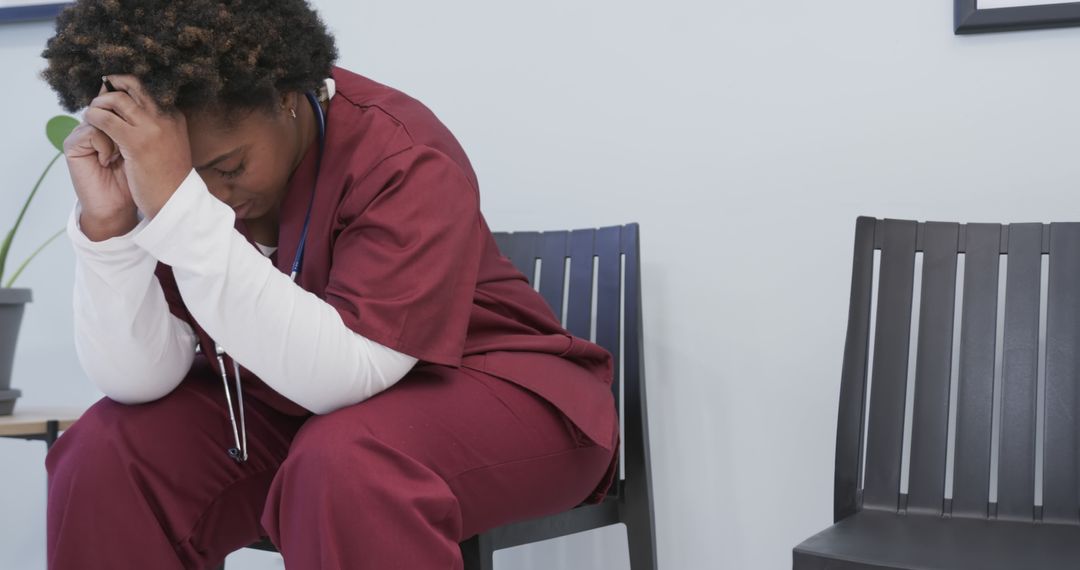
292,111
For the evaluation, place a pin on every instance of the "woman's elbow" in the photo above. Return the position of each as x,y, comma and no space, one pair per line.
134,383
132,390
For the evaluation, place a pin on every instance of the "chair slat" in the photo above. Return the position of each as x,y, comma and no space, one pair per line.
1060,473
633,357
889,382
553,252
975,386
579,302
504,241
849,424
521,249
608,288
1019,372
930,417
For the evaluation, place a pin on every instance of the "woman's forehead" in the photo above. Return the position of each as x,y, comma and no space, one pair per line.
221,119
217,130
203,159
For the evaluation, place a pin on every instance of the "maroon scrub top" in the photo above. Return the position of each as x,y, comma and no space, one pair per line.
397,244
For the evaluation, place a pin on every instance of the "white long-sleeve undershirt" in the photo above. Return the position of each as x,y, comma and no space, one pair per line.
135,350
129,344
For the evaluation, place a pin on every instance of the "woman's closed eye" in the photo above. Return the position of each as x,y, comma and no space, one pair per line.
231,173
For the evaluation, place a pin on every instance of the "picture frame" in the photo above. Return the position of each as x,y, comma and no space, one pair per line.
12,11
1011,15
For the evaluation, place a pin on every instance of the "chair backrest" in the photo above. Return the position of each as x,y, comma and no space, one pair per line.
975,383
591,279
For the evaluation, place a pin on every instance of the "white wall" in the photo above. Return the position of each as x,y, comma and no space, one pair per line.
745,137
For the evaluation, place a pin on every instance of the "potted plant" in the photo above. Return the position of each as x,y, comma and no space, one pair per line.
12,300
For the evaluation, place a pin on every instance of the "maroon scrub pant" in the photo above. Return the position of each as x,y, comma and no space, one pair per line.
395,481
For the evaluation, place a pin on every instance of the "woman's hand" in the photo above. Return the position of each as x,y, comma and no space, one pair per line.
97,174
155,155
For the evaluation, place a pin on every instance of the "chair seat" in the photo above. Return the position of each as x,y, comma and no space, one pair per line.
883,540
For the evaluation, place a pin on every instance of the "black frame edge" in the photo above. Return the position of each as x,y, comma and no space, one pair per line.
34,13
968,19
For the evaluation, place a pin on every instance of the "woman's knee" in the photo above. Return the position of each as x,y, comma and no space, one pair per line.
327,447
90,444
346,475
333,452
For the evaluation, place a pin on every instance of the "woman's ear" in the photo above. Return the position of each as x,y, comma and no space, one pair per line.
289,101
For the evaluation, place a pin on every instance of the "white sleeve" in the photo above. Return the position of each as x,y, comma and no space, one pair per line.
129,344
287,336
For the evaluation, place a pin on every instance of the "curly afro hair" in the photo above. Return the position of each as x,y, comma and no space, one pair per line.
191,55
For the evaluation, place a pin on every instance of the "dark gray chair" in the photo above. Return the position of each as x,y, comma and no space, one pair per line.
1014,501
593,278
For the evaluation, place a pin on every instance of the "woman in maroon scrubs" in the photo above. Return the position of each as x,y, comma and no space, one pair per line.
504,415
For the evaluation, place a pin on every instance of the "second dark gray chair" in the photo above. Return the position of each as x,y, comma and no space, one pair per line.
1014,498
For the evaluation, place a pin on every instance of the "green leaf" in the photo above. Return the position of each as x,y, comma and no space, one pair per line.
58,129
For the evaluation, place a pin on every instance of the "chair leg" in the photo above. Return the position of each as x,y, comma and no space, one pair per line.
637,515
642,542
477,553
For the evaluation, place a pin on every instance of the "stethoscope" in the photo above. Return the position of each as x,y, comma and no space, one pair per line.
239,452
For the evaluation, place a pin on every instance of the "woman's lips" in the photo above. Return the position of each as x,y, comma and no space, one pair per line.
242,209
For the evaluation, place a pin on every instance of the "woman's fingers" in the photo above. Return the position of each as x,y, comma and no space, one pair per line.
119,103
137,113
109,123
154,144
88,140
104,146
131,85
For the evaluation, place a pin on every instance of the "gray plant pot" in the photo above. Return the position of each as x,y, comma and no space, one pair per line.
12,304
